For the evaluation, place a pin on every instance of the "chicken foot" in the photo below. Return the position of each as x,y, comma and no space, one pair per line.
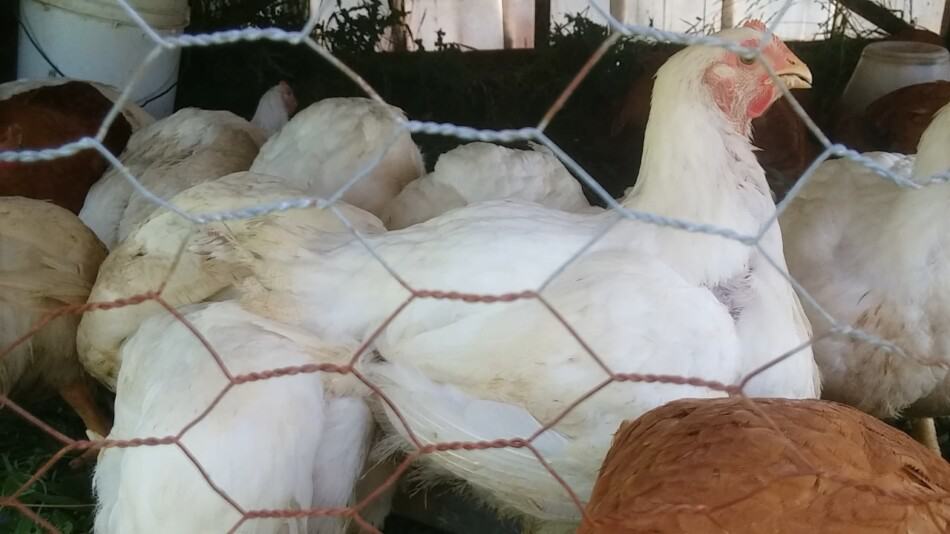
924,431
78,394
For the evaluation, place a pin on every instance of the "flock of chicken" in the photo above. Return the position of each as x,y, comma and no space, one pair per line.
295,286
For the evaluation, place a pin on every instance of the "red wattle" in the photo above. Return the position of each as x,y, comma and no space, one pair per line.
761,102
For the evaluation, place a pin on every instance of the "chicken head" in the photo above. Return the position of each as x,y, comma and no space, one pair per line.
287,97
741,86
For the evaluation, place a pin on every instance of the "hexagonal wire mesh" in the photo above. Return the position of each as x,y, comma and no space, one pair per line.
536,134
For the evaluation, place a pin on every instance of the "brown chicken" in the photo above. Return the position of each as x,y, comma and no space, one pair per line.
49,117
716,466
895,122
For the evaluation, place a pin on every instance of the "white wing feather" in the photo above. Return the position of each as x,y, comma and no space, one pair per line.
483,171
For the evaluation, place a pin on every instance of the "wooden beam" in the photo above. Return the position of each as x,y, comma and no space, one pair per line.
727,17
618,9
877,15
507,23
399,37
945,24
542,23
9,11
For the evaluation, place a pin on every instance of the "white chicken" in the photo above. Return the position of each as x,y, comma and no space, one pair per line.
145,259
189,147
484,171
297,163
873,255
329,143
285,443
48,260
275,108
645,299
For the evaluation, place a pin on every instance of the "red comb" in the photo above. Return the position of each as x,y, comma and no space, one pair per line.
755,24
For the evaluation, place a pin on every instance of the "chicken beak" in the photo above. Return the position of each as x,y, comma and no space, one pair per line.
795,73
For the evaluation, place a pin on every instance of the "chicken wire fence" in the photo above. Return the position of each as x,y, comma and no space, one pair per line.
531,133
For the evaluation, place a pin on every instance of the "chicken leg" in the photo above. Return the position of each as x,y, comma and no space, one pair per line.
78,394
923,430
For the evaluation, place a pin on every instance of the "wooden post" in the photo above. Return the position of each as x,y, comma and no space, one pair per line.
399,37
618,9
727,17
542,23
507,22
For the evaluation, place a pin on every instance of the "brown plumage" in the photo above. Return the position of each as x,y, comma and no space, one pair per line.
48,117
788,147
895,122
716,466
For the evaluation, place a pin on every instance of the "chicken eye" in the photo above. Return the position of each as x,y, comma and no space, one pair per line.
747,60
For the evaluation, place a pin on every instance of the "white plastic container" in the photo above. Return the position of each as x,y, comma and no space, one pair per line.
96,40
887,66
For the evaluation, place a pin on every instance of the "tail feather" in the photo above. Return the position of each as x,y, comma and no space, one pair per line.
340,459
513,476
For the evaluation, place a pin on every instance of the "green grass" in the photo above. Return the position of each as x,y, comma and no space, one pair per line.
63,497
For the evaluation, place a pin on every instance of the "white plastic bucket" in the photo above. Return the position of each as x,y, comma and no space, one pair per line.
887,66
96,40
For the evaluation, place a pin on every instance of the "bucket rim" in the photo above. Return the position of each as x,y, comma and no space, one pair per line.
908,52
158,19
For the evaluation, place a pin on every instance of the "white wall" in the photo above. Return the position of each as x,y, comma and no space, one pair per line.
478,23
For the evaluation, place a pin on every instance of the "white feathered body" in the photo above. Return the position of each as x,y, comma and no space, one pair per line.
146,258
484,171
332,141
48,260
275,108
187,148
284,443
874,255
644,299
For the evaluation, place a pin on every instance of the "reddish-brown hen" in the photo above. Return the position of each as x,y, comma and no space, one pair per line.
716,466
895,122
48,117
